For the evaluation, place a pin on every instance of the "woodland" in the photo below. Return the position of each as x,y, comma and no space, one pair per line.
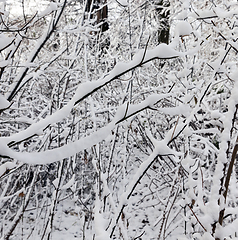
118,119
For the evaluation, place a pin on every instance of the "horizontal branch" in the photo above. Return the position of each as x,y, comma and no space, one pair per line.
70,149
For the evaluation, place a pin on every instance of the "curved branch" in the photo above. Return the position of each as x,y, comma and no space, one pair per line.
84,90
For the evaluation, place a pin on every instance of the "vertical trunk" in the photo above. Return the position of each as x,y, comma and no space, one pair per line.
93,8
163,14
88,5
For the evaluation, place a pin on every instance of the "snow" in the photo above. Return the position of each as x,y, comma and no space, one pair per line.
216,114
171,95
6,166
184,73
3,103
123,3
183,28
207,236
56,183
161,148
70,149
69,184
233,75
204,14
162,51
4,63
100,223
5,41
182,15
52,7
222,13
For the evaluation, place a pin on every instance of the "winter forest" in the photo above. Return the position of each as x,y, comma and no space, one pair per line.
118,119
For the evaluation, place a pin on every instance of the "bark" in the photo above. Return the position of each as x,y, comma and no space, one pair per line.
163,14
93,7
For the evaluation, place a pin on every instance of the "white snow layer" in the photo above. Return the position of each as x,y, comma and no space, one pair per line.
6,166
3,103
183,28
3,63
52,7
5,41
123,3
162,51
100,223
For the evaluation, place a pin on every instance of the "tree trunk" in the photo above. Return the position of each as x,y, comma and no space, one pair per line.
93,8
163,14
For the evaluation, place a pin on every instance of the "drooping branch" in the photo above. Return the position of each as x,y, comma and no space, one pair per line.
81,144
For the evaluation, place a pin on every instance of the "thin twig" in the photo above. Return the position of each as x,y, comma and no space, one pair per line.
197,218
